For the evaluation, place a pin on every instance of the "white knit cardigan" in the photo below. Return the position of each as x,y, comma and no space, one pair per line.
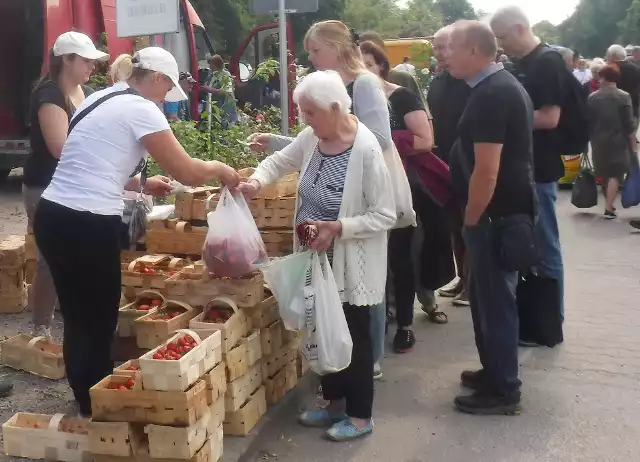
367,212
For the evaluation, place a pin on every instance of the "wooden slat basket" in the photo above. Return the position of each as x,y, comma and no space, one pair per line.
285,186
149,272
35,355
149,300
232,330
152,329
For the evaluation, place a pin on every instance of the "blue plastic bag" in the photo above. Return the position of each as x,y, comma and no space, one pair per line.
630,196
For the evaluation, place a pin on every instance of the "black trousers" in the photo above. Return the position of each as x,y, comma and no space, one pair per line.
82,250
355,383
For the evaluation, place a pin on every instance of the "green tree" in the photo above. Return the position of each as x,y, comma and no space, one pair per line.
630,25
227,22
421,18
547,32
327,9
382,16
454,10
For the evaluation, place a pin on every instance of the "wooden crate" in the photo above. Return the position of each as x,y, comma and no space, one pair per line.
150,272
216,380
267,213
290,336
40,436
254,346
281,383
176,237
151,331
130,368
239,391
232,330
242,421
302,365
278,243
193,204
12,252
114,438
34,355
30,270
264,313
237,362
285,186
178,408
194,285
271,338
30,247
14,303
178,375
128,313
271,365
12,280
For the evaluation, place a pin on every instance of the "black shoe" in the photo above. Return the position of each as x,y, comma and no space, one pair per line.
473,380
489,403
610,215
403,341
5,389
528,344
635,224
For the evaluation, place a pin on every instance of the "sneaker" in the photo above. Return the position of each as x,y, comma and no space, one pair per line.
635,224
484,402
462,299
347,431
320,418
5,389
377,372
474,380
41,331
403,341
451,292
528,344
610,215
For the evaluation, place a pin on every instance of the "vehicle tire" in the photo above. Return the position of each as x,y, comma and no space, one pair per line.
4,173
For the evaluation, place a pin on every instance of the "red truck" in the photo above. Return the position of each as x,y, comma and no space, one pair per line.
28,29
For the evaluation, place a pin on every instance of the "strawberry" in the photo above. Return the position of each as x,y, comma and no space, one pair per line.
122,387
157,356
156,302
130,383
144,307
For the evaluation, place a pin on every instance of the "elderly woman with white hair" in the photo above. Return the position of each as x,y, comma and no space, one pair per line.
344,192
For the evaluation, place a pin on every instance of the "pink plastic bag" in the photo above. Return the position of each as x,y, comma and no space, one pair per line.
234,247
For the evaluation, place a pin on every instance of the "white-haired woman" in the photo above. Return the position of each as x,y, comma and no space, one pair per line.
593,84
78,219
343,191
333,46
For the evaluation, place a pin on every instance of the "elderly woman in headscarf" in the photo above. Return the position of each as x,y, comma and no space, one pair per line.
345,193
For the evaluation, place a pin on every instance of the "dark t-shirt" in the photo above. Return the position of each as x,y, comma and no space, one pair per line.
40,165
401,102
447,99
630,82
499,112
543,76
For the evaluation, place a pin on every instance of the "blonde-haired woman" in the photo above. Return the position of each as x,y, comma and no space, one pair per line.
333,46
53,101
344,192
78,219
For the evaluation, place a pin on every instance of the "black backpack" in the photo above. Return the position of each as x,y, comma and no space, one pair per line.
573,127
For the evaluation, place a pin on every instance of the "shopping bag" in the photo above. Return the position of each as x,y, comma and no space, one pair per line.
287,278
630,196
138,220
233,247
327,340
585,188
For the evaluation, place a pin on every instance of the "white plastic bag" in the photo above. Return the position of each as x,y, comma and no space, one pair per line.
286,278
233,247
327,340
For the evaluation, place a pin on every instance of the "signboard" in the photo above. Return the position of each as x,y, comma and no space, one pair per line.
147,17
291,6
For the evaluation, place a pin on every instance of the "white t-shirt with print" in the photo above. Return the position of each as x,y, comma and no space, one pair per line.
103,151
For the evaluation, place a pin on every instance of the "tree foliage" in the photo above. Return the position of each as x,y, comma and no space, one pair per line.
454,10
547,32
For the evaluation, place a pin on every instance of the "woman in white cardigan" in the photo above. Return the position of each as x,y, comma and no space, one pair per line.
345,191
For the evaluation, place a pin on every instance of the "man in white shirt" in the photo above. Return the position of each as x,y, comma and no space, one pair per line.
406,66
582,73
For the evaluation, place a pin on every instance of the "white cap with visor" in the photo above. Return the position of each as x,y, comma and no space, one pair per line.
160,60
76,43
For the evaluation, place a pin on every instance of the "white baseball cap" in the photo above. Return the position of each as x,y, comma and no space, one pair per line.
78,44
160,60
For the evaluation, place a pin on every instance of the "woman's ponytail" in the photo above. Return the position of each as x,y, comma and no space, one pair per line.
122,68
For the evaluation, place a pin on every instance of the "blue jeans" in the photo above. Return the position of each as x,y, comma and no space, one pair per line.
548,238
492,293
378,324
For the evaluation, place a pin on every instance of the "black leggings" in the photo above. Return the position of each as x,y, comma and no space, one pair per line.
355,383
82,250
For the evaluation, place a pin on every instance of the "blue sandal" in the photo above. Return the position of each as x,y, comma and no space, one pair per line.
347,431
320,418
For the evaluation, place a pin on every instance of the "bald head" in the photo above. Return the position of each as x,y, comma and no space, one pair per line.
512,28
441,44
472,48
477,35
510,16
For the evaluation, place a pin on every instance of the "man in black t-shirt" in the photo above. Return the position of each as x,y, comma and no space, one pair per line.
629,80
492,174
546,79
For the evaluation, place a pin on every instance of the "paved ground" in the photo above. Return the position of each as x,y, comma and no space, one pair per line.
581,400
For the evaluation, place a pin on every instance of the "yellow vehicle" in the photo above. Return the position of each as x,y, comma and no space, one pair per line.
417,49
571,169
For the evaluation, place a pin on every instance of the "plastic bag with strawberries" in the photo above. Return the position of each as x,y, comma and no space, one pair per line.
233,247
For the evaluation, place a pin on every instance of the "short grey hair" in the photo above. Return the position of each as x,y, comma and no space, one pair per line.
596,65
325,89
510,16
479,34
443,32
616,53
566,53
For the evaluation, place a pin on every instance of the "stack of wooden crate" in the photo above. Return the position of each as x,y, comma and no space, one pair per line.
158,408
13,289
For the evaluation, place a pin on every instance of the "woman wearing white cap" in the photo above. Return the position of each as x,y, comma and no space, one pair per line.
53,102
78,220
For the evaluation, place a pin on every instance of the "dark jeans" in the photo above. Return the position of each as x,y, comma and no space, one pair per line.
492,293
355,383
82,250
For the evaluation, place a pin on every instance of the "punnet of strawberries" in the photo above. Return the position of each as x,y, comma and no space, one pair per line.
231,256
145,304
217,314
133,368
155,271
167,314
176,349
128,385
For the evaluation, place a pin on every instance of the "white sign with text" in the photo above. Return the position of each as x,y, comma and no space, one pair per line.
147,17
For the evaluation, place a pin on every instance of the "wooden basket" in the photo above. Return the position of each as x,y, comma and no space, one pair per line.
285,186
12,281
216,380
14,303
176,237
113,438
150,271
35,355
239,391
39,436
12,252
130,312
242,421
237,362
30,247
264,313
276,362
130,368
271,338
178,408
281,383
151,332
195,286
178,375
192,204
267,213
278,242
232,330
